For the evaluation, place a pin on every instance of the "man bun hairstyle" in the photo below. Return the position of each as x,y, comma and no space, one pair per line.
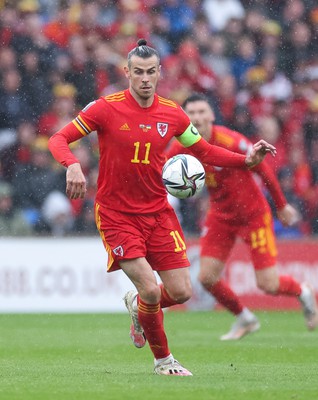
142,51
142,42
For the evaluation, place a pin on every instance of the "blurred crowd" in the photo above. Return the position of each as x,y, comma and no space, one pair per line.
257,61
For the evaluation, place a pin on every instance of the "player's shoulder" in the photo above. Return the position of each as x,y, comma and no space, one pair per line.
223,136
232,140
115,97
226,136
167,103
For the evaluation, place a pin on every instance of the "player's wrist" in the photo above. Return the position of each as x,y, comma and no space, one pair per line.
249,162
73,164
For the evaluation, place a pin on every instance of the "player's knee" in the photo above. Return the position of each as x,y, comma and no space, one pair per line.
150,294
207,280
182,295
268,286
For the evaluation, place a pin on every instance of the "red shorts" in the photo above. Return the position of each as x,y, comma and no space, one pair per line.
157,237
219,239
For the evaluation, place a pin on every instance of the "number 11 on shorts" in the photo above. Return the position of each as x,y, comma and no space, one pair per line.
179,243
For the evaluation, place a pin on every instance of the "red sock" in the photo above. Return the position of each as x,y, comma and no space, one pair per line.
225,296
151,319
288,286
166,300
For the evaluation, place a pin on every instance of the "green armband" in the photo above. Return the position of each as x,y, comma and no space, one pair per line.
190,136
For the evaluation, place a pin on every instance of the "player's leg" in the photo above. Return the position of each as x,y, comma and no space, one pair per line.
216,244
261,240
127,240
167,255
141,274
175,289
210,277
150,315
124,239
272,283
147,306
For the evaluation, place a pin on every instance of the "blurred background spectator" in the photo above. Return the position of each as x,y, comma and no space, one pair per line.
12,220
255,60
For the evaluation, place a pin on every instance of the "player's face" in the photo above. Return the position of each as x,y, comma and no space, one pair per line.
143,76
202,116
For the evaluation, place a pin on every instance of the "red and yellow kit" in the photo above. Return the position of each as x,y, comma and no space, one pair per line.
237,204
132,143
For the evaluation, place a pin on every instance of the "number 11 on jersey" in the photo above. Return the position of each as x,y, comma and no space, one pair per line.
136,159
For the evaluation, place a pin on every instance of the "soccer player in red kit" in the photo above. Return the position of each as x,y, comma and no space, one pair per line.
139,228
238,208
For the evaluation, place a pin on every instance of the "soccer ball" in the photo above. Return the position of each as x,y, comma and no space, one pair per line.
183,176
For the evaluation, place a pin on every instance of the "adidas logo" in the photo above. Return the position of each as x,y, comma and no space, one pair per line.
124,127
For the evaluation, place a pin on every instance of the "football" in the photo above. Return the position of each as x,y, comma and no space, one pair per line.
183,176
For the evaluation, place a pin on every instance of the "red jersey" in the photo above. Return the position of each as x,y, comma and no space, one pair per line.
132,140
234,193
132,143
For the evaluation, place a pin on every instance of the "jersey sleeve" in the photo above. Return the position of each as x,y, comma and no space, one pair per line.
271,182
91,117
58,144
190,136
186,134
215,155
87,120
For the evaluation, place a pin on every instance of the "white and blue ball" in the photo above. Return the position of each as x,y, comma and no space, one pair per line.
183,176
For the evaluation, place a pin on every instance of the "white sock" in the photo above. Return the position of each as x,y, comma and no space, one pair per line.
305,292
162,360
246,314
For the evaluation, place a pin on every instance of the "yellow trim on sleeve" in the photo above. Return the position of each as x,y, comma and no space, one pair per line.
78,126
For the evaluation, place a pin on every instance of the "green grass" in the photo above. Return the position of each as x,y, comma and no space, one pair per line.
90,357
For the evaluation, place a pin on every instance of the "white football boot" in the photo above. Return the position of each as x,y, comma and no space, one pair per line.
136,332
245,323
170,366
308,301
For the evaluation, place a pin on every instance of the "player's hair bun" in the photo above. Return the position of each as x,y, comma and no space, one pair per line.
142,42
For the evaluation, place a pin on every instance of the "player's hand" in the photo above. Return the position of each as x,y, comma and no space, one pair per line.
75,182
258,153
288,215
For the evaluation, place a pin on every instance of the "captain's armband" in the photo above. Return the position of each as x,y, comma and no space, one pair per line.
190,136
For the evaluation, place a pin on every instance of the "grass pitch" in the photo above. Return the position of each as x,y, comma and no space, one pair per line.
91,357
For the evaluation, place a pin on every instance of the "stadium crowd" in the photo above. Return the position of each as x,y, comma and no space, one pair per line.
257,61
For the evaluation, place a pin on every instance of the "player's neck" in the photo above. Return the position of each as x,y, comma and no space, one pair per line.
144,103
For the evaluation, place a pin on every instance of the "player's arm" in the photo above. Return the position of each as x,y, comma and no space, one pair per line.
59,144
219,156
59,147
82,125
286,213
